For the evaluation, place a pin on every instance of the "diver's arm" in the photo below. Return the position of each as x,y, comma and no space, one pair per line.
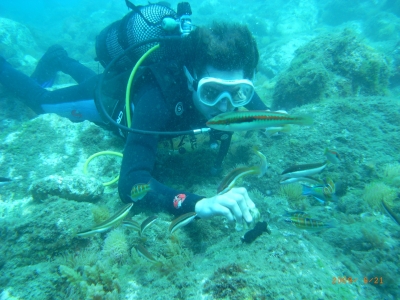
151,113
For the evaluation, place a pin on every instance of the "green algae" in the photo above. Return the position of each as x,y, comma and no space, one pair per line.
332,65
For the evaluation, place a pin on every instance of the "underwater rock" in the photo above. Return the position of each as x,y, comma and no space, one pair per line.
332,65
297,17
34,231
16,42
77,188
276,57
50,144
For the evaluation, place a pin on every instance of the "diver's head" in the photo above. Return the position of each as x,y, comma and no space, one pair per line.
218,91
220,63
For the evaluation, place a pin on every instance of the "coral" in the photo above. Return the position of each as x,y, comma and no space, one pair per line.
293,192
95,282
100,213
115,246
376,192
85,257
391,174
70,274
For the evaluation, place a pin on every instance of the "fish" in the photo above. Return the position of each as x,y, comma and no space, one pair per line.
308,179
251,235
4,180
117,217
139,190
181,221
322,193
271,131
131,225
228,182
254,119
144,253
332,156
109,223
390,212
303,170
146,223
308,223
90,232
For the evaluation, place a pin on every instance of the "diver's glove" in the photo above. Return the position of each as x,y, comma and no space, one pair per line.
235,205
48,66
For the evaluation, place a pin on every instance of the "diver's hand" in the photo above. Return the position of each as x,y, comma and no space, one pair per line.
233,205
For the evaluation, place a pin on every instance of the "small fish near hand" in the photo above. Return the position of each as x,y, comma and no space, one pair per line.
255,119
303,170
332,156
144,253
115,220
322,193
139,190
146,223
181,221
306,223
229,180
390,212
4,180
306,180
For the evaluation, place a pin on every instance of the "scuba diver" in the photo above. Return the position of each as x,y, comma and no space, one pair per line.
180,86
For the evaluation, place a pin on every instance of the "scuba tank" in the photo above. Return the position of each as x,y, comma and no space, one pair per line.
143,23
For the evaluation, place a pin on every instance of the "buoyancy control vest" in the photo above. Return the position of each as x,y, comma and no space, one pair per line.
143,23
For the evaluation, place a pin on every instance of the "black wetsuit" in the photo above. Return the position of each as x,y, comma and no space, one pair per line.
162,102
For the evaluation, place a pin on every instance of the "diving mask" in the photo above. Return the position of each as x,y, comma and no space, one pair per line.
211,90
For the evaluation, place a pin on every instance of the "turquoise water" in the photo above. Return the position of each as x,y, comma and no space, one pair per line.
335,61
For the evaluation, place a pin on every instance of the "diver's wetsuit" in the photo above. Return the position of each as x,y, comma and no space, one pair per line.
73,102
161,103
161,109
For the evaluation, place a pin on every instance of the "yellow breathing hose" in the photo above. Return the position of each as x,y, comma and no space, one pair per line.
128,114
85,166
130,80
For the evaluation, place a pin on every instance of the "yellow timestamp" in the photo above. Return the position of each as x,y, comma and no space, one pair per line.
351,280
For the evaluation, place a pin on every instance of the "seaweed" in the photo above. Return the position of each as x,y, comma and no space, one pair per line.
376,192
226,283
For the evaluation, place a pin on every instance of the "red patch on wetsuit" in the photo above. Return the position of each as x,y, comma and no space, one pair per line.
178,200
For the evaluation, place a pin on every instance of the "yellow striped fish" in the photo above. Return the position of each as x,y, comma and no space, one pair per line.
302,222
140,190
